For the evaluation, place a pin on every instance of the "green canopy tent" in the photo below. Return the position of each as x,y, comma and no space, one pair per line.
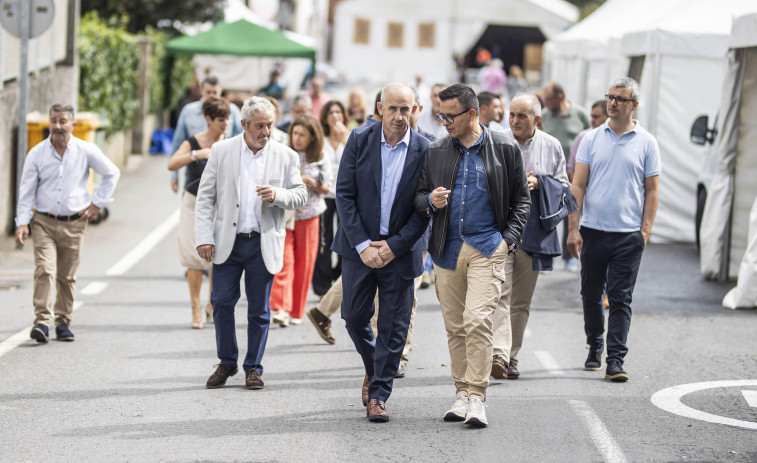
240,38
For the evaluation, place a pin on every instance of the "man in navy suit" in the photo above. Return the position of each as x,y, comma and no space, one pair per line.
378,238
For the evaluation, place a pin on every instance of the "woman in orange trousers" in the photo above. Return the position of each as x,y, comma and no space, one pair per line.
301,245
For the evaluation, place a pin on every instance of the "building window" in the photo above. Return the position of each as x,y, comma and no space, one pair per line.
394,34
362,33
426,35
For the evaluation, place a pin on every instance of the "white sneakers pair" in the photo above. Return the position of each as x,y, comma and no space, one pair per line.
470,410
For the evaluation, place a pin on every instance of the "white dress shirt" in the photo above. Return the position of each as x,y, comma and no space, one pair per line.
58,185
251,176
543,155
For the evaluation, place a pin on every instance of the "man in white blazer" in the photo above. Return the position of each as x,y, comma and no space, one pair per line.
239,225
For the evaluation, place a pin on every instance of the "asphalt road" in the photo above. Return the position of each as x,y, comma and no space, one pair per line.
131,388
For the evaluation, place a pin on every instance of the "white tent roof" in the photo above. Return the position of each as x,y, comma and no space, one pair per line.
698,28
744,31
589,38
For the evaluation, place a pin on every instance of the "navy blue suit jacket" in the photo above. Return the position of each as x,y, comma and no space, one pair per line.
358,200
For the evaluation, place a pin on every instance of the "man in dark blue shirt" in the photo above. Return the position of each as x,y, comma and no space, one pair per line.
474,185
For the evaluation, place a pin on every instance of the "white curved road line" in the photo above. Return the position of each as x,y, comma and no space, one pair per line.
670,400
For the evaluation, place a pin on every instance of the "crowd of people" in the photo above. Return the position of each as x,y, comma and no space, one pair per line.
457,193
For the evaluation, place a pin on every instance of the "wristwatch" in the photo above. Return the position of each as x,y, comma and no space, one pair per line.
192,155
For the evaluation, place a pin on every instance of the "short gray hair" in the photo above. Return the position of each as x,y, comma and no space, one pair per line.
62,108
256,104
399,85
533,100
302,98
626,82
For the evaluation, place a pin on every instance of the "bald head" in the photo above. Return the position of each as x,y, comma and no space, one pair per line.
525,113
397,105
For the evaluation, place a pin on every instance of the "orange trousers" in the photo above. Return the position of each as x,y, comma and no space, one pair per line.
290,286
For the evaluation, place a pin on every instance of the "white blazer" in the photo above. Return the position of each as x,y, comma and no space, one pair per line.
217,207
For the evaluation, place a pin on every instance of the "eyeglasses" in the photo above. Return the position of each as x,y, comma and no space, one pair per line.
618,99
449,119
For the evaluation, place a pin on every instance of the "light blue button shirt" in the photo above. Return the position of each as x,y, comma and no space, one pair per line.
392,166
192,121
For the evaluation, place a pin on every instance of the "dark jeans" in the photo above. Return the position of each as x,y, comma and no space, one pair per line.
381,355
245,256
324,273
613,258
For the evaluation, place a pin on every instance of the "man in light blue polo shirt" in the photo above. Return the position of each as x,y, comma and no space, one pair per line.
616,185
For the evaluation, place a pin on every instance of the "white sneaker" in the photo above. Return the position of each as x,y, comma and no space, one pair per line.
295,321
476,415
459,408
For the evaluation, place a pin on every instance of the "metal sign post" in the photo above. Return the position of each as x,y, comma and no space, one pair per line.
23,100
25,19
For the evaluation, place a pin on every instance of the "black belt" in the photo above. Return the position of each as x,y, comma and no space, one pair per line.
63,218
249,235
383,237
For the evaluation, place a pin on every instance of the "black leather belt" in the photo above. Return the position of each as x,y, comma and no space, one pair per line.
62,218
383,237
249,235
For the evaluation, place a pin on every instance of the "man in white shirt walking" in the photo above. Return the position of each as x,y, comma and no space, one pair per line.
54,180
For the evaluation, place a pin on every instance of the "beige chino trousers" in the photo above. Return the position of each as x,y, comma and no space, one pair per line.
331,302
514,306
469,296
57,249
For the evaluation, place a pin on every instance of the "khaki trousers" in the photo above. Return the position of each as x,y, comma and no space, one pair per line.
514,306
57,247
468,296
332,301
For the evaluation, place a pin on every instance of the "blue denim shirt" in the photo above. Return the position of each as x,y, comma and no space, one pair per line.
471,218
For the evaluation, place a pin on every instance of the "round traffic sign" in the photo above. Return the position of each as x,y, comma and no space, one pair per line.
41,14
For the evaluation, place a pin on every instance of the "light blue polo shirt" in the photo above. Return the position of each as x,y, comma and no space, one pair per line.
614,199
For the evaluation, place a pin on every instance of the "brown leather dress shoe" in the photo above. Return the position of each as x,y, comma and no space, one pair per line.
499,367
253,380
377,411
322,325
219,377
512,372
366,385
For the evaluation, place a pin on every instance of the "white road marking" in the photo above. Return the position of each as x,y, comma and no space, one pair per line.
750,397
527,333
548,362
670,400
23,336
96,287
145,246
608,448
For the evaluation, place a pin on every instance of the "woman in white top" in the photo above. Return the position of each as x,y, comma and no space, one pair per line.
290,286
334,123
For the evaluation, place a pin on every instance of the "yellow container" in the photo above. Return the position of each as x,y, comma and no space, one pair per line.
84,128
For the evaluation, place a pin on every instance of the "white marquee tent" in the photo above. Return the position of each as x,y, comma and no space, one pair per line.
729,236
682,60
456,26
587,56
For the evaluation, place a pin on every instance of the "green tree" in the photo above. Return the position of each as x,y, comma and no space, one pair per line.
156,13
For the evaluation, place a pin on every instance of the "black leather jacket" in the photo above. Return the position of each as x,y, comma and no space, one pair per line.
505,177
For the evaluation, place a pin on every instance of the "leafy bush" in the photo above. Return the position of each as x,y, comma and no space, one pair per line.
108,63
182,73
